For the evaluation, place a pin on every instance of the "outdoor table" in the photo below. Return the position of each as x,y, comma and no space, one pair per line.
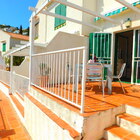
109,77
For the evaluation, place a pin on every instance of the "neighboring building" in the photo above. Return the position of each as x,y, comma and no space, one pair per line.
11,40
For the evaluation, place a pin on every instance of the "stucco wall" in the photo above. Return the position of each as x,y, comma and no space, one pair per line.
65,40
94,125
46,24
14,42
91,5
4,38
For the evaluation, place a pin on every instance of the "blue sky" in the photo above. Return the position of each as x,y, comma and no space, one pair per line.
16,12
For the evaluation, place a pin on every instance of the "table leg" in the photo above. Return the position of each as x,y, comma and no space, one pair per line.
109,80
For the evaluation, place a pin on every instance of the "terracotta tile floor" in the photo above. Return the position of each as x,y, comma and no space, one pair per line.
10,125
94,101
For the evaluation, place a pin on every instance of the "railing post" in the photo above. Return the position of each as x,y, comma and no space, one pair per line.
83,79
32,33
11,74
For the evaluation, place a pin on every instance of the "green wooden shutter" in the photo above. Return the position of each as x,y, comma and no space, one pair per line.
63,13
60,10
4,47
57,11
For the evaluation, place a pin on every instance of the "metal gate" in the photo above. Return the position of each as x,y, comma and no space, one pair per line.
136,58
100,45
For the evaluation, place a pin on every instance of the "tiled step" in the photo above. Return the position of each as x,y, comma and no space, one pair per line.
129,122
133,109
18,107
18,104
10,126
117,133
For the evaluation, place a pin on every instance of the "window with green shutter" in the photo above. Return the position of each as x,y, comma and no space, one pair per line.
60,10
4,47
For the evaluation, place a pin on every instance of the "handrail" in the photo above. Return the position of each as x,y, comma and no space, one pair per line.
60,51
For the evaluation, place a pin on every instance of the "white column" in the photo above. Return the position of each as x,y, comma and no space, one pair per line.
83,79
11,74
32,34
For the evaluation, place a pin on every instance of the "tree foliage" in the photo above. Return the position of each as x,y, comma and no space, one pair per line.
20,29
17,60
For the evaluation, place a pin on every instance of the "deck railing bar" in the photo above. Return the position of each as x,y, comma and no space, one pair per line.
56,73
20,83
73,76
48,60
5,77
83,80
64,84
57,96
69,75
60,74
59,78
21,76
60,51
77,77
53,75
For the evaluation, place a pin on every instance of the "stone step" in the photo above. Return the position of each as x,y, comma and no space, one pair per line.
19,108
18,105
118,133
129,122
19,98
133,109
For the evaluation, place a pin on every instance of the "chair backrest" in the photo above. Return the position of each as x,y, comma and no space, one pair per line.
94,70
122,70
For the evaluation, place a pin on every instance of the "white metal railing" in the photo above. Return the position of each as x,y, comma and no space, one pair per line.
20,84
59,74
5,77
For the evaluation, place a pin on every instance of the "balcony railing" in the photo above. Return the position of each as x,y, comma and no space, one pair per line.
5,77
16,82
59,74
20,84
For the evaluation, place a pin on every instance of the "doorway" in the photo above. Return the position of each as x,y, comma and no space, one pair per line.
123,54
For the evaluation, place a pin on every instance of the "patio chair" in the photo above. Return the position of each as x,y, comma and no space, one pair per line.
94,72
120,75
74,72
